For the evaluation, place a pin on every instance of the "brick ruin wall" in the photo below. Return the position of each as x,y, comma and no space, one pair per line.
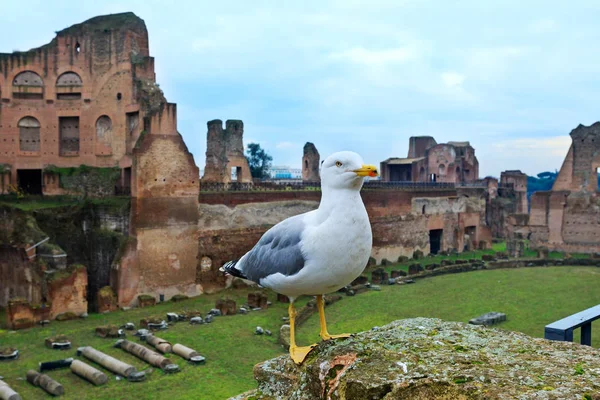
232,222
310,163
160,257
78,100
566,218
224,152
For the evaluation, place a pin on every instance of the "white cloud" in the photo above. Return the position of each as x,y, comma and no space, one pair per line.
452,79
360,55
286,145
551,146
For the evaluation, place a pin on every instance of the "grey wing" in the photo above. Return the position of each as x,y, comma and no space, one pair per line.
278,251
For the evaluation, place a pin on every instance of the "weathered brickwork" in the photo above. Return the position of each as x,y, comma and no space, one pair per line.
78,100
225,160
429,161
402,222
566,218
505,199
310,163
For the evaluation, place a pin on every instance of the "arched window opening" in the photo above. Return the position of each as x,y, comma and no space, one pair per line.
68,86
442,169
104,130
423,210
77,48
29,134
28,85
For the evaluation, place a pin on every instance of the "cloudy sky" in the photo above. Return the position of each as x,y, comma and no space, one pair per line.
513,77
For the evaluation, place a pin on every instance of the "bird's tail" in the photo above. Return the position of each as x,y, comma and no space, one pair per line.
229,268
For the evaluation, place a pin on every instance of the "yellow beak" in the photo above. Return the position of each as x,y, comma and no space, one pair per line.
367,170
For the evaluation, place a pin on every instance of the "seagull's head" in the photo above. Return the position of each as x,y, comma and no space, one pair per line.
345,170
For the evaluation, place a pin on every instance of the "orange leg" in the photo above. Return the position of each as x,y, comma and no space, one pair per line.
324,334
298,354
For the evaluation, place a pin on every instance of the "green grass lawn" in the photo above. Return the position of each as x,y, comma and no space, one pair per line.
531,298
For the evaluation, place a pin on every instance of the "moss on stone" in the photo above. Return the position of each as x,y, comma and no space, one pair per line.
179,297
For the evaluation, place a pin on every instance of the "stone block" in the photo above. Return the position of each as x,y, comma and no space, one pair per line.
226,306
106,300
379,276
414,269
145,300
490,318
402,259
488,257
258,300
417,255
397,273
66,316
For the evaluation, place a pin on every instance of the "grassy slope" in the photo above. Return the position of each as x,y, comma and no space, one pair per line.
531,298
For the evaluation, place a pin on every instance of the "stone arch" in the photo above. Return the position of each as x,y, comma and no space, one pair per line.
29,134
68,86
441,169
69,79
104,130
28,85
28,78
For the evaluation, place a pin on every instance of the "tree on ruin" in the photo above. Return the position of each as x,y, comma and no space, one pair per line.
258,161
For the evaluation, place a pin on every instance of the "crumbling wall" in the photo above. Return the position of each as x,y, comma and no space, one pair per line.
518,182
67,291
310,163
161,255
90,234
224,152
86,78
566,218
19,277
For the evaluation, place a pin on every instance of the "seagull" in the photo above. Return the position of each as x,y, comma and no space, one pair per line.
317,252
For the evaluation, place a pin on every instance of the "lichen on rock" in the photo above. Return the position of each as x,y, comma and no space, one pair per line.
425,358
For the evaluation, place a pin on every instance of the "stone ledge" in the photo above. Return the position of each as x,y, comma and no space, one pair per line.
425,358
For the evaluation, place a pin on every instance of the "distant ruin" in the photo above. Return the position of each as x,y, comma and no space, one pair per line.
566,217
310,163
428,161
83,116
225,160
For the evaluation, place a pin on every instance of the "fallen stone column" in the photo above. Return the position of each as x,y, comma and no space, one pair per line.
45,382
88,372
6,392
50,365
108,362
188,354
144,353
159,344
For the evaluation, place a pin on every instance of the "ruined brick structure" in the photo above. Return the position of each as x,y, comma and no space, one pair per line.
517,181
403,221
89,97
225,160
566,217
505,199
81,99
429,161
310,163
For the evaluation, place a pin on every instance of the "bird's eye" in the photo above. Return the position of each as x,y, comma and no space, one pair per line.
338,164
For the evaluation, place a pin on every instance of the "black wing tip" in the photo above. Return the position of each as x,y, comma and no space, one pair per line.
229,268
